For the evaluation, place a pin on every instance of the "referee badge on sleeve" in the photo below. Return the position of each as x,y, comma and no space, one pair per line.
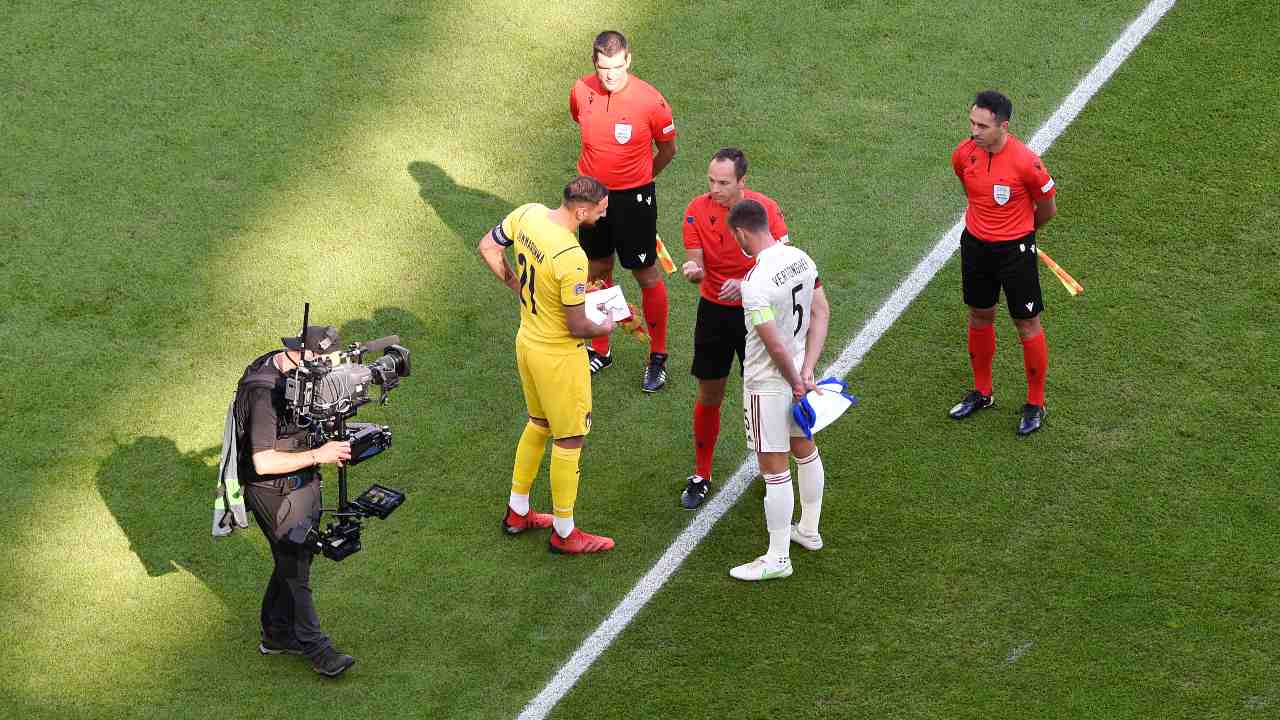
622,132
1001,193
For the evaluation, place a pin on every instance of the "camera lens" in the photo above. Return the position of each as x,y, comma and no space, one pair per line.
395,362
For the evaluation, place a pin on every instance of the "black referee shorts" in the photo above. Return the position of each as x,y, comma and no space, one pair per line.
988,267
629,228
719,334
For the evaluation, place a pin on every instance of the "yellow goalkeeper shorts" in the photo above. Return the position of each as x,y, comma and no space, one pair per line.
557,386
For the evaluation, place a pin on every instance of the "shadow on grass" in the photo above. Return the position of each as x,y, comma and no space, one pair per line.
387,321
457,206
162,498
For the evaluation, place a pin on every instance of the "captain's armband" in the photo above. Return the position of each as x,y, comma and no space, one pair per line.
760,316
499,236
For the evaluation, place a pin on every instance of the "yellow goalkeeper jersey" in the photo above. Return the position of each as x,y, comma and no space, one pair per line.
552,270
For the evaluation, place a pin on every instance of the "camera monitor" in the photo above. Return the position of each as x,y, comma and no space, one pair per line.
379,501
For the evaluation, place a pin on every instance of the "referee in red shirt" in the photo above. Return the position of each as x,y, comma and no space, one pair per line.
622,118
1011,196
717,264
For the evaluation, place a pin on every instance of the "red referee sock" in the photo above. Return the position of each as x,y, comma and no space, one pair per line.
706,429
654,299
1035,361
601,343
982,348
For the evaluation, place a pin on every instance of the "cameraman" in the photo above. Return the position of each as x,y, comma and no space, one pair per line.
281,478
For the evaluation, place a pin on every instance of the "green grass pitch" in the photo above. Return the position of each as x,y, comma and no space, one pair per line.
177,178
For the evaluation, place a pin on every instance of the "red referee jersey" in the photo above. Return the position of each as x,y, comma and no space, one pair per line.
706,229
1002,188
619,129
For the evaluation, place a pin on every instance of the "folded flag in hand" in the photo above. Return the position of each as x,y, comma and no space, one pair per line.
815,411
635,326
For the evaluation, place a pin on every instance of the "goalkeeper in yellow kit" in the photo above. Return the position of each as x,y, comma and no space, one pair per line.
550,278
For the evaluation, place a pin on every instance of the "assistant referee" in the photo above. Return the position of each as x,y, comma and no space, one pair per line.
1011,196
622,118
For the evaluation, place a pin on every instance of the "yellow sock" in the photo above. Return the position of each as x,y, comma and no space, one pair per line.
564,479
533,443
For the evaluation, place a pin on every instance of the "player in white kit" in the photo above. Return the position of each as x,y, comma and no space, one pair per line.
786,313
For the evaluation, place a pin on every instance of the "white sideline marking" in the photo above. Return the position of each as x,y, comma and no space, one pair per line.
603,636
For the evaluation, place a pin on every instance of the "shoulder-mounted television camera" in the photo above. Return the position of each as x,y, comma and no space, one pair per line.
328,388
321,395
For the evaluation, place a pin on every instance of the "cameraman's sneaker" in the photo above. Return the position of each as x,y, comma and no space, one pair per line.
271,647
808,542
598,362
513,524
765,567
655,373
696,489
331,663
579,543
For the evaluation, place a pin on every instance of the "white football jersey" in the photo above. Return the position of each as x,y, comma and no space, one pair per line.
779,288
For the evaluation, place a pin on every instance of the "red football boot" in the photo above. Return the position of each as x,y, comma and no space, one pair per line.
513,524
579,543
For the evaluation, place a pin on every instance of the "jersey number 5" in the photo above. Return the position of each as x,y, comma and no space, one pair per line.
799,311
527,274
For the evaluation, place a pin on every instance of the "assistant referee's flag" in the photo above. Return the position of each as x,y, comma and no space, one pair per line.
664,257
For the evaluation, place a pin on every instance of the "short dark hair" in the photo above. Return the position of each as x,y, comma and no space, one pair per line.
735,156
584,190
749,215
609,43
997,103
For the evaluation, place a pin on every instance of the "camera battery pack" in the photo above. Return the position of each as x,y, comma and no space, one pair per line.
367,440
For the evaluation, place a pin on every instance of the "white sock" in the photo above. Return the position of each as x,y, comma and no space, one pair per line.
519,503
812,479
564,526
779,504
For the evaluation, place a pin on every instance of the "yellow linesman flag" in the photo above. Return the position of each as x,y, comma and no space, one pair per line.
635,326
664,257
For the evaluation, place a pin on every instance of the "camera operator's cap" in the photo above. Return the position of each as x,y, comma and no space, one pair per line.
319,339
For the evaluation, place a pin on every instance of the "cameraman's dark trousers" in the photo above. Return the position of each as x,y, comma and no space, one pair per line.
289,617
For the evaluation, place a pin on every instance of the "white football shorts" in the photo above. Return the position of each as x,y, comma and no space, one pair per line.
768,421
